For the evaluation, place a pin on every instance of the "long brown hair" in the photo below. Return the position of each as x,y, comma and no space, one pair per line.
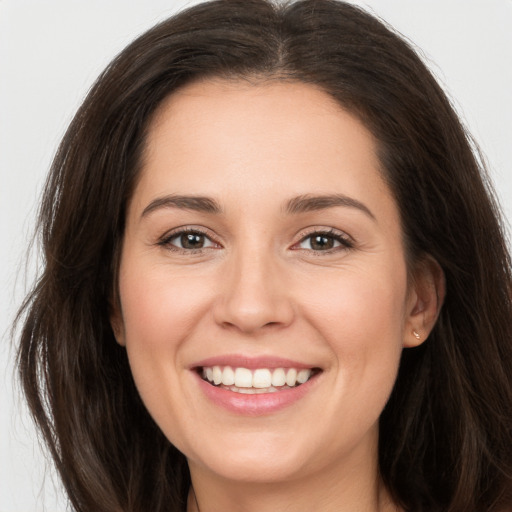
446,433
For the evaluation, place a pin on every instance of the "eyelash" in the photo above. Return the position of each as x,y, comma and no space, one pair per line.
342,239
345,242
166,240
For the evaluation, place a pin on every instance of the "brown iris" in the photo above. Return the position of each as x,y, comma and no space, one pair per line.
192,240
321,242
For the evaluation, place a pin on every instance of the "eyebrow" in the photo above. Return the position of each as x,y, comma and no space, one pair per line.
308,203
194,203
300,204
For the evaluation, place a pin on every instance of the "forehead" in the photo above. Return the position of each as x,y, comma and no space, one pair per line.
271,114
288,138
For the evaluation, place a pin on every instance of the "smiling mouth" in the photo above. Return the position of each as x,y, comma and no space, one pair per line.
260,380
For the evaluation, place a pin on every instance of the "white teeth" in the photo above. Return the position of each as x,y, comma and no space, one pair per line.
243,378
303,376
278,377
262,379
228,376
291,377
217,375
259,380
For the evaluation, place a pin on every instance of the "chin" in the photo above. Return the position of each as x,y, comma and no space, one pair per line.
258,461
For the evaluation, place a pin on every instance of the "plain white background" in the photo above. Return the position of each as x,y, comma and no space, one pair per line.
50,53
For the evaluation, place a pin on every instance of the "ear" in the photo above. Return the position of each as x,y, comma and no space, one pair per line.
117,323
426,296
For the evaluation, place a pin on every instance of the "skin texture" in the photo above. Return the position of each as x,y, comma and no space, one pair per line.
259,288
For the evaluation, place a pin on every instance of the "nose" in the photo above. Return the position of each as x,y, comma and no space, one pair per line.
254,294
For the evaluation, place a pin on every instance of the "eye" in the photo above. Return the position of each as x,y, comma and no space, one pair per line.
188,240
324,241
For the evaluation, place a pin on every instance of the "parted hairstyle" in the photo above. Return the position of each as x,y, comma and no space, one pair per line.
446,432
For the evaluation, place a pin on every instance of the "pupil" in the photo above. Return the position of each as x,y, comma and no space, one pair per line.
322,242
192,241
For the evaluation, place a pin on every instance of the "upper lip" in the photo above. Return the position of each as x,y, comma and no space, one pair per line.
251,362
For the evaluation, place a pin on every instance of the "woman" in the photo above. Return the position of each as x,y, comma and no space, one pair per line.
274,278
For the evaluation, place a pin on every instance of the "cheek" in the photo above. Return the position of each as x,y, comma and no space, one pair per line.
160,311
159,307
366,305
362,321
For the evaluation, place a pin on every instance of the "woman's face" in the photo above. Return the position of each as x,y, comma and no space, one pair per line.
263,285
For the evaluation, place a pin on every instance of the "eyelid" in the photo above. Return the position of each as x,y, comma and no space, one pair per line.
345,240
166,238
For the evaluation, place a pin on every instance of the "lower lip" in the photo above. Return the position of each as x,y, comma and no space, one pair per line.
257,404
